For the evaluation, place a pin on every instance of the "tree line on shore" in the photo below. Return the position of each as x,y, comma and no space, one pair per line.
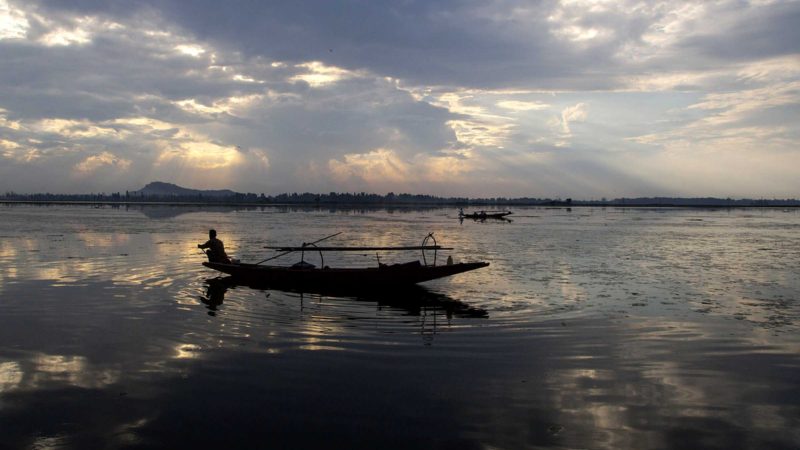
363,198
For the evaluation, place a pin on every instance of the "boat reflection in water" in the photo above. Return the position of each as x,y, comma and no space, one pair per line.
413,300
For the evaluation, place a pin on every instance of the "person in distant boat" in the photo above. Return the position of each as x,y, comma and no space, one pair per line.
216,249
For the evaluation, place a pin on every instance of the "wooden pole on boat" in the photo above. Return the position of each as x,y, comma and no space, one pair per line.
320,240
303,246
321,259
274,257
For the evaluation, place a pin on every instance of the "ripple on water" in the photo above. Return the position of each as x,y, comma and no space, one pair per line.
591,329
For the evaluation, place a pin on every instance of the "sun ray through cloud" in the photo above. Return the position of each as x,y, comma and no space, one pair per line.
596,83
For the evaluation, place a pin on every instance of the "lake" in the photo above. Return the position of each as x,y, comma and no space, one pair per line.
591,328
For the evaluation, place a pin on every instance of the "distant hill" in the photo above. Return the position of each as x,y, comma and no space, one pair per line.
161,189
161,192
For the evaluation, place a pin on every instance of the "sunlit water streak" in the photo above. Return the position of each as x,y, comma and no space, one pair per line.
590,328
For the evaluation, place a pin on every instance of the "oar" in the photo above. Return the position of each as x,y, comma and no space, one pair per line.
304,245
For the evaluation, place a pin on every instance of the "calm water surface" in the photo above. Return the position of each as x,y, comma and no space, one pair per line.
592,328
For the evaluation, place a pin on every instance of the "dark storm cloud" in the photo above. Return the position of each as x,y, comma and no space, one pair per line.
424,42
765,32
473,43
98,81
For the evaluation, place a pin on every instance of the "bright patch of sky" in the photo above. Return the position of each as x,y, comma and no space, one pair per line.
13,24
570,98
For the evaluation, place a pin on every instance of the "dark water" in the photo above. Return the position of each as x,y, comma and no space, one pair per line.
592,328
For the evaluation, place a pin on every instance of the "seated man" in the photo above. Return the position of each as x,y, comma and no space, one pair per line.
216,250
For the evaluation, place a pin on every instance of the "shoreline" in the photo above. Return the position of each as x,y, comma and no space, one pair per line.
478,205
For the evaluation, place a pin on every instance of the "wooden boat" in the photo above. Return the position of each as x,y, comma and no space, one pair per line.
482,215
382,276
304,274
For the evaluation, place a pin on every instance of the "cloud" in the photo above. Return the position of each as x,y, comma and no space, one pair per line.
517,105
190,50
317,74
95,162
575,113
201,155
376,166
562,44
13,23
417,95
15,152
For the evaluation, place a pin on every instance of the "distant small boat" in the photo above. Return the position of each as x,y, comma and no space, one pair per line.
304,274
481,215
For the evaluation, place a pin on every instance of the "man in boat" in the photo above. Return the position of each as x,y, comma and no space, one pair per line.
216,249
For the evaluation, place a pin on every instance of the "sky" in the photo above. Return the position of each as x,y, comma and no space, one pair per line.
555,98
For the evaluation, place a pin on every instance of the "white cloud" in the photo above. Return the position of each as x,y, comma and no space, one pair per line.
13,22
318,74
377,166
735,106
199,155
8,124
383,170
190,49
517,105
73,129
771,70
726,116
65,37
575,113
478,132
95,162
16,152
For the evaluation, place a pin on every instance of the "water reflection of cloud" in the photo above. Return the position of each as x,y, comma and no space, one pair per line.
315,344
645,378
49,442
7,251
74,370
7,274
103,240
187,351
127,433
570,291
68,271
634,382
10,376
79,260
42,370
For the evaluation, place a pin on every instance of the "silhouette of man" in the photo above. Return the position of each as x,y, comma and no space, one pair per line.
216,250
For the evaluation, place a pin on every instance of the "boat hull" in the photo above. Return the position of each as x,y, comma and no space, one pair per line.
479,216
370,277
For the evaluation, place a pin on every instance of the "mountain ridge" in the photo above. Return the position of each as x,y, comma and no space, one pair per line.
161,188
